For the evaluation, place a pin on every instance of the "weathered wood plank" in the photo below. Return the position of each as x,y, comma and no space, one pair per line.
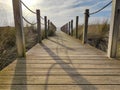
61,72
63,66
82,57
58,80
60,87
73,61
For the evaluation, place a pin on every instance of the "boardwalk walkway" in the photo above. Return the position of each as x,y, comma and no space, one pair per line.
62,63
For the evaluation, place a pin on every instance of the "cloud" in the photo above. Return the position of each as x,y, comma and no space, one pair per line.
62,11
65,10
6,16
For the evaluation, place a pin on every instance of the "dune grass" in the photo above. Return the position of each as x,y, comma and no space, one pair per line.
97,34
8,50
7,45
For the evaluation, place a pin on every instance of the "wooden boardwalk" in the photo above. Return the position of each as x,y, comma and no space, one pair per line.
62,63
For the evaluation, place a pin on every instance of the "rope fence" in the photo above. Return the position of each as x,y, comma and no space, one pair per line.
18,18
68,27
42,18
42,24
29,22
28,8
31,12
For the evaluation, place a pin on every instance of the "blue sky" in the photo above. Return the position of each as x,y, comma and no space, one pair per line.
58,11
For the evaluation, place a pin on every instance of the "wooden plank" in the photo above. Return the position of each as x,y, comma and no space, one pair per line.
62,66
85,61
60,87
61,72
58,80
45,69
78,57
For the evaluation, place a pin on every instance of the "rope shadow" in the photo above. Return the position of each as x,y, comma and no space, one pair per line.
79,80
62,45
19,81
48,74
66,50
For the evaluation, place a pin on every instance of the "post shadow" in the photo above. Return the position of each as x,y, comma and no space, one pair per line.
19,81
79,79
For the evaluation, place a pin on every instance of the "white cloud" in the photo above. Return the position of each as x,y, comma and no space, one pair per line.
58,11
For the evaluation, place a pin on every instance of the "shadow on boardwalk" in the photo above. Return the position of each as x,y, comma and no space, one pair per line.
61,45
19,82
79,80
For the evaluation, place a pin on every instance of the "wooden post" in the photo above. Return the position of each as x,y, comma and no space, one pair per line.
85,30
46,35
48,26
71,27
63,28
51,25
20,41
114,29
39,26
77,21
66,28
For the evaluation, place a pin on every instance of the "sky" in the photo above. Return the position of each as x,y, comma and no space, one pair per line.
58,11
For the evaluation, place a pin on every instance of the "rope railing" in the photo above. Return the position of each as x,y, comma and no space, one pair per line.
28,7
101,8
28,21
42,24
33,13
41,17
30,11
97,3
97,10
